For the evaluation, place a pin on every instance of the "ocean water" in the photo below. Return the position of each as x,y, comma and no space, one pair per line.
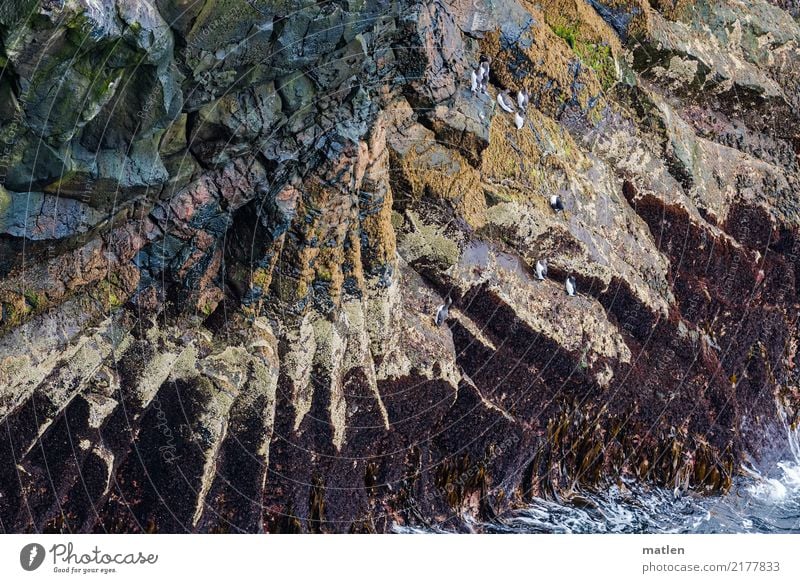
756,503
764,500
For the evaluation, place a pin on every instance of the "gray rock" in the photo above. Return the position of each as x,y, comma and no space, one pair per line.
38,216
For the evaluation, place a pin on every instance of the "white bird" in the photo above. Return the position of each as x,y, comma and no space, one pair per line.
541,269
571,286
483,70
519,121
504,101
523,98
556,204
483,76
474,79
442,312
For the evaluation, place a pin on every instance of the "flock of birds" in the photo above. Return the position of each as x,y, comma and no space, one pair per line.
479,78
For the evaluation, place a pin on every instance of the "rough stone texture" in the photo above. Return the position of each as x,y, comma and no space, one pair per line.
224,232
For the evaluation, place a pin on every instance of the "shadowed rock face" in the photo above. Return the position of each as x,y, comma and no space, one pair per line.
225,228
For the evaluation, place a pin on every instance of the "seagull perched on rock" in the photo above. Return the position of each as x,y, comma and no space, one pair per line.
523,98
480,76
556,204
571,286
504,101
443,311
519,120
541,269
484,67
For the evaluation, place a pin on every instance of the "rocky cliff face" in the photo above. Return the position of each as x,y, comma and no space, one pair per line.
225,227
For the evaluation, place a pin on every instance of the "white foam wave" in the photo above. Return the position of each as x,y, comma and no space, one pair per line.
778,489
768,489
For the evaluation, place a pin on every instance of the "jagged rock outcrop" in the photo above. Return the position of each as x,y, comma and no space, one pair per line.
225,228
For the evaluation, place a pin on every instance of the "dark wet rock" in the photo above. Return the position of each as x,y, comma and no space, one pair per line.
245,117
623,17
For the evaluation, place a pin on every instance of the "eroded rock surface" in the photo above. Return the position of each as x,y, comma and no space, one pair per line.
225,228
